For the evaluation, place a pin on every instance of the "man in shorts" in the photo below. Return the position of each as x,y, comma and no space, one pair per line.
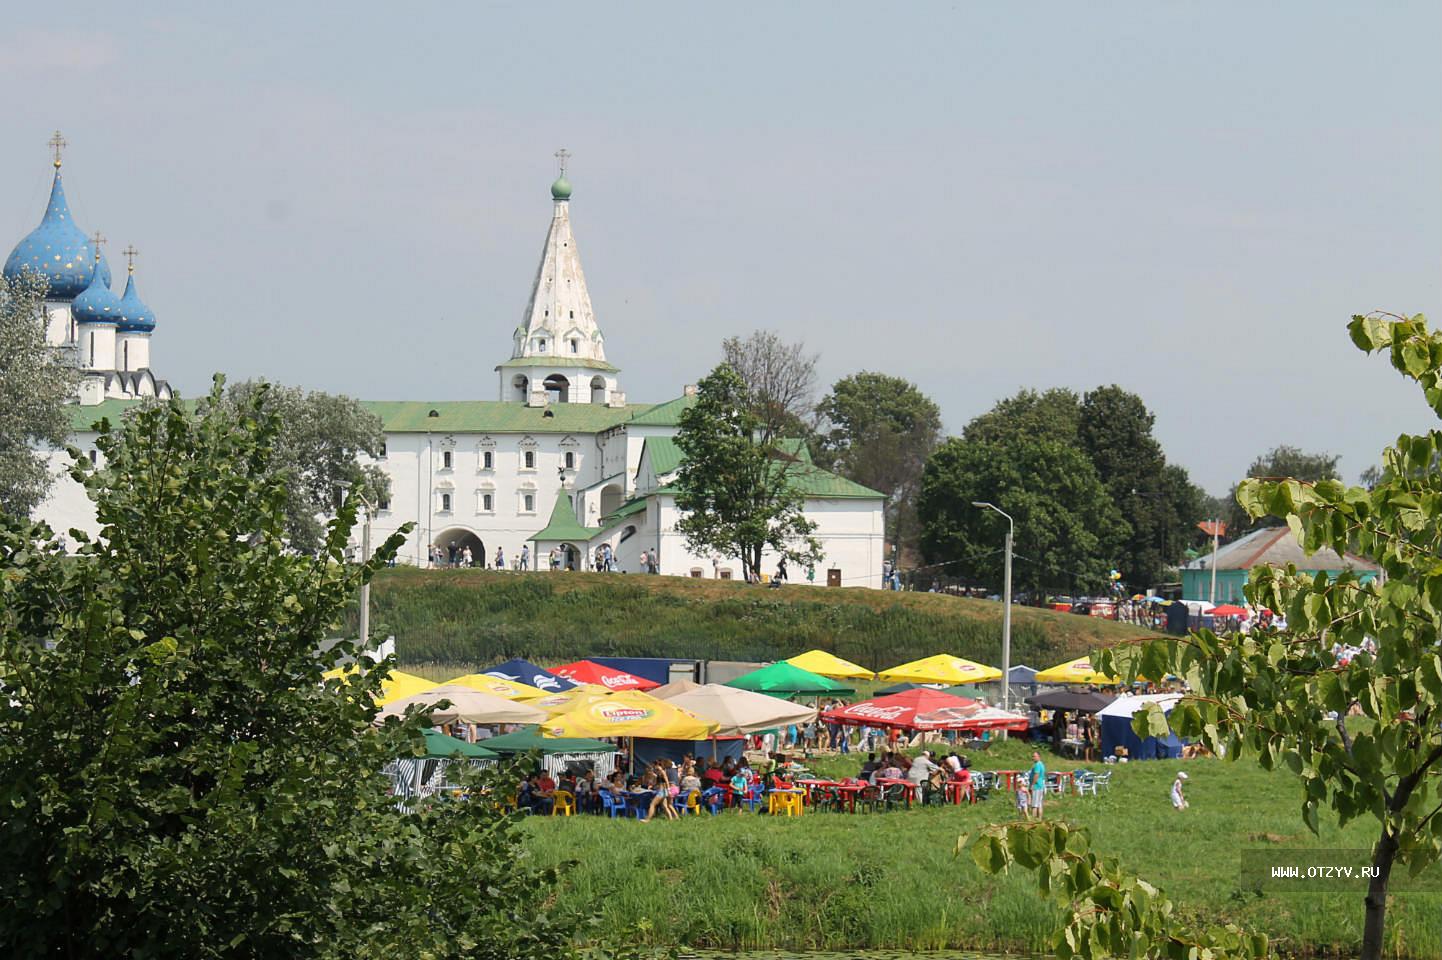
1036,780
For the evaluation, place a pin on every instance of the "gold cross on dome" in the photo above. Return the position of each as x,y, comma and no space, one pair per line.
130,255
562,155
57,143
99,238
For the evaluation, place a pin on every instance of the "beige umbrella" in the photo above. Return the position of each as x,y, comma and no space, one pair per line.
741,711
669,690
467,706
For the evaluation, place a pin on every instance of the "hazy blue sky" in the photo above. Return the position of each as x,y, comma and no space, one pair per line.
1185,199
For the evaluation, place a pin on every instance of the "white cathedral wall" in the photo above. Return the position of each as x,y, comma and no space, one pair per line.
66,505
57,323
96,346
419,479
132,351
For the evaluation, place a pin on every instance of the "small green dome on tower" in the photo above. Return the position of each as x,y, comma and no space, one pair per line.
561,189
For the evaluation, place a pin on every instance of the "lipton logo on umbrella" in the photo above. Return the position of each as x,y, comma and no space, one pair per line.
618,713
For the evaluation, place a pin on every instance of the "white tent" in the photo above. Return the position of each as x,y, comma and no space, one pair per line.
741,711
467,706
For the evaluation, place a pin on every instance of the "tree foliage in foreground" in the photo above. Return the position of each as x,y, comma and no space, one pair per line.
37,381
1111,913
177,779
735,484
1278,462
1283,699
321,439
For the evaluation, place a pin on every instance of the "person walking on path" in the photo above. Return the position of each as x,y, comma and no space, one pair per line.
1037,782
1179,800
500,558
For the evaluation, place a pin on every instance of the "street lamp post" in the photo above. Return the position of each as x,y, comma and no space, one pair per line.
1006,605
365,590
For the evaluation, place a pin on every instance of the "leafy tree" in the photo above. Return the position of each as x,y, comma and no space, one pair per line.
1067,528
1050,415
321,439
736,483
1157,498
1281,461
882,429
177,778
780,381
36,383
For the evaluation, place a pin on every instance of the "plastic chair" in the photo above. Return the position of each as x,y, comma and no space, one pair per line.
714,798
565,803
1085,783
751,798
612,806
1103,780
693,803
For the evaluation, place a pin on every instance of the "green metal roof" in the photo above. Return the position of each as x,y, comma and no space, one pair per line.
576,363
796,448
83,419
628,509
564,525
815,482
666,414
665,456
495,416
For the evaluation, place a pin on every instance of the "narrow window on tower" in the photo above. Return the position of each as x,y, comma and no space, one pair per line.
92,349
383,450
486,460
575,346
570,460
445,503
530,459
445,460
486,502
530,503
384,503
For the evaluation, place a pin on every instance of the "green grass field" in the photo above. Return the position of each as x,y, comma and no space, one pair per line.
478,617
893,880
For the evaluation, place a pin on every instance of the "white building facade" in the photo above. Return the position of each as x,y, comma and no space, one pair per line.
558,467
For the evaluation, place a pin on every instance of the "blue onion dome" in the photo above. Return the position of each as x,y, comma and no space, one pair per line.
59,251
97,303
135,316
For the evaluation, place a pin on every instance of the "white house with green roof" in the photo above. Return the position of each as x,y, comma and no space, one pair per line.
559,459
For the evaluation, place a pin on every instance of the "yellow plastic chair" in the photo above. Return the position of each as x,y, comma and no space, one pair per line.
693,803
791,804
565,803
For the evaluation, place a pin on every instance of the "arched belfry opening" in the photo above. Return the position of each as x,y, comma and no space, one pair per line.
521,387
558,388
598,390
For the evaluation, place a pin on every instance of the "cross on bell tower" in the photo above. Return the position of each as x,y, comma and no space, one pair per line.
57,143
99,238
562,155
130,254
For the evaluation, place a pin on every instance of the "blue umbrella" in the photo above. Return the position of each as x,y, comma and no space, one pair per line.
525,671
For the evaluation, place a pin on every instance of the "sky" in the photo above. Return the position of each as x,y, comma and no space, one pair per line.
1186,199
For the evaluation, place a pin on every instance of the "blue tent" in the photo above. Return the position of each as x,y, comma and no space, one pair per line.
524,671
675,750
1116,721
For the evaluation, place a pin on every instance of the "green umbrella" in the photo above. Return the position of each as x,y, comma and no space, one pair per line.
970,691
529,738
783,677
442,745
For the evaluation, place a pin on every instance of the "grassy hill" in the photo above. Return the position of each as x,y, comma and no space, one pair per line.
466,617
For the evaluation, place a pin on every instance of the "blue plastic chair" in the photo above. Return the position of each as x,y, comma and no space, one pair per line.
611,806
713,799
752,797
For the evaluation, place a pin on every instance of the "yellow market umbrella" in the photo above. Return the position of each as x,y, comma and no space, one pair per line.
830,665
557,703
498,686
628,713
396,686
1075,671
942,668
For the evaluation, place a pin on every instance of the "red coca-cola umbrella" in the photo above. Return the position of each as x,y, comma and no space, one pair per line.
588,671
918,709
